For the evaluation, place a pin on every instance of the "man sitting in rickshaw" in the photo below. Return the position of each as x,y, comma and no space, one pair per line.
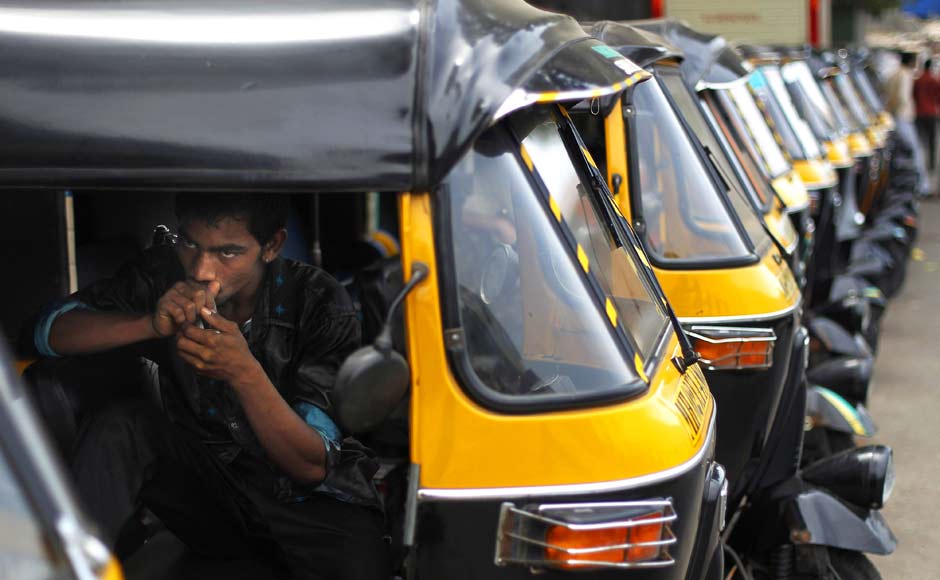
245,458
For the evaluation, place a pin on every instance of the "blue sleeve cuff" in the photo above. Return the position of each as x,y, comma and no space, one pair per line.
44,326
324,426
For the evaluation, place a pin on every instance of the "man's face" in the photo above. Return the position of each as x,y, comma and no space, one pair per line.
225,252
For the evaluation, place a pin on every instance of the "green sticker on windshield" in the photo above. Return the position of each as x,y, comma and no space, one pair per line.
607,51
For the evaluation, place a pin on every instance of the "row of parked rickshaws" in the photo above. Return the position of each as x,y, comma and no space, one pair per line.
642,269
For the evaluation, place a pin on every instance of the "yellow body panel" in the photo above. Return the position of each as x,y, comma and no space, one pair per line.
860,146
816,173
616,145
887,120
876,136
762,289
792,191
780,226
839,153
452,436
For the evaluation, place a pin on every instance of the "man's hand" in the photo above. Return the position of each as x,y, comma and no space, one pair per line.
180,305
219,351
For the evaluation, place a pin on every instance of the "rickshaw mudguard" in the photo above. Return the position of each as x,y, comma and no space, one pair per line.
819,518
828,409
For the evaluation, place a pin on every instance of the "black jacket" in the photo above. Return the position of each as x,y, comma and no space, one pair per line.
303,327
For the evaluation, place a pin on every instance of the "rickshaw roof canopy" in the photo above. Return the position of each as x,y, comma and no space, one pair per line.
325,95
640,46
710,60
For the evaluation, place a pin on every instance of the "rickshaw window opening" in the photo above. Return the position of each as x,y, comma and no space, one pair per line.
493,176
742,249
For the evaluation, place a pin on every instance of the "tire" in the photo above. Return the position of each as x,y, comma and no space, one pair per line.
849,565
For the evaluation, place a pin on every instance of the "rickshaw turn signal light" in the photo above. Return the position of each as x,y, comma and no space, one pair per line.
728,348
583,536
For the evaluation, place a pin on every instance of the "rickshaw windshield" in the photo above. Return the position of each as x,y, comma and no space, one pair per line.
868,91
851,98
758,132
799,72
681,207
688,107
616,268
737,133
819,121
848,123
535,329
24,549
758,83
803,133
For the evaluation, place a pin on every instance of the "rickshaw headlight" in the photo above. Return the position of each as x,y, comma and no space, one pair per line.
728,348
863,476
581,536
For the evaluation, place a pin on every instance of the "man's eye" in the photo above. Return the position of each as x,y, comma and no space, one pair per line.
228,254
188,243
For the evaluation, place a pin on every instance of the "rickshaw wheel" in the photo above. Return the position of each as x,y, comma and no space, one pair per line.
849,565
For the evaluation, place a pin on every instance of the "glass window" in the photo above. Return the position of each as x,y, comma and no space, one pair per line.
843,119
24,551
867,90
682,210
798,72
852,100
742,200
615,269
758,131
533,328
803,133
820,125
791,143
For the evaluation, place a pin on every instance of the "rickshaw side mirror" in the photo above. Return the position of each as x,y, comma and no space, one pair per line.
372,380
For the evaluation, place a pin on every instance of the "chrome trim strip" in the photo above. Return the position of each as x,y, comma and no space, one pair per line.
411,505
431,494
743,318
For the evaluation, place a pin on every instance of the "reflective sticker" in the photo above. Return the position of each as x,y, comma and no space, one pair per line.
526,158
587,155
582,257
547,97
638,364
606,51
553,205
642,255
611,312
692,400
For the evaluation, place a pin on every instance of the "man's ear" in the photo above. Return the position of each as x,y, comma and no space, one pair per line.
273,246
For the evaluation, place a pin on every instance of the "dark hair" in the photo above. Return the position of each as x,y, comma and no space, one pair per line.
908,57
265,213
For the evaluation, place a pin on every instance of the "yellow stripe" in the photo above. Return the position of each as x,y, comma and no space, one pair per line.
547,97
638,363
582,257
525,157
848,413
554,207
611,312
590,159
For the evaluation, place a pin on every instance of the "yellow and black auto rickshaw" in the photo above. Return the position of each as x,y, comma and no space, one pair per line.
739,302
555,417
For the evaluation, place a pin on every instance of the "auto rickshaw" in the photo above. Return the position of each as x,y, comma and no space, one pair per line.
43,533
719,76
556,418
727,108
739,302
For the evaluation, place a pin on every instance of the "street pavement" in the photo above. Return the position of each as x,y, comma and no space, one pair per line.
905,404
